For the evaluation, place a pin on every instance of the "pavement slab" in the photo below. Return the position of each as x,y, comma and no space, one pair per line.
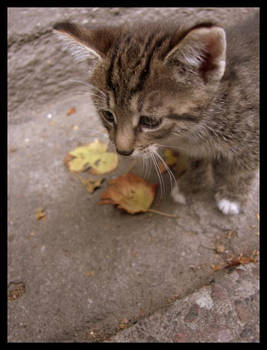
85,272
224,311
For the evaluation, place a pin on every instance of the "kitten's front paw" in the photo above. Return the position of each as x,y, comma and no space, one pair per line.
177,196
227,207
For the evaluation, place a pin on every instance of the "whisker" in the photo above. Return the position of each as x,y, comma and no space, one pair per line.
148,167
171,176
145,167
162,187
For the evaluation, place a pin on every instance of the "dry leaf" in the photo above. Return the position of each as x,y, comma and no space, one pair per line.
17,291
216,267
129,192
90,273
71,111
241,260
40,213
220,248
94,156
123,325
171,157
91,184
162,167
229,234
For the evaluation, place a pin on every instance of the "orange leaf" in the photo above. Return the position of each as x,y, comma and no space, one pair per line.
241,260
129,192
71,111
216,267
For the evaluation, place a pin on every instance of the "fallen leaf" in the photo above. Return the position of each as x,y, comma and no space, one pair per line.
71,111
94,156
216,267
90,273
220,248
129,192
17,291
229,234
124,323
40,213
171,157
91,184
241,260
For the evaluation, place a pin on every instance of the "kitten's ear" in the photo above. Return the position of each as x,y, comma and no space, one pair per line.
203,48
86,43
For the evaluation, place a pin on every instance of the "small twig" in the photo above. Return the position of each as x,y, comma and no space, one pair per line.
162,213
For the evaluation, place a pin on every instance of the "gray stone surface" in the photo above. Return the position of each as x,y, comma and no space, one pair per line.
86,270
224,311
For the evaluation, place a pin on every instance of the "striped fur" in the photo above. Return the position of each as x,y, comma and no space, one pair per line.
183,87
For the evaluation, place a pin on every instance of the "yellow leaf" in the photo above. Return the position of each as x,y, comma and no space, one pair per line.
39,213
92,185
171,157
78,164
103,163
94,156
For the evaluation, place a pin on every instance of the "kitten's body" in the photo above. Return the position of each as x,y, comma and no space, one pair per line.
182,87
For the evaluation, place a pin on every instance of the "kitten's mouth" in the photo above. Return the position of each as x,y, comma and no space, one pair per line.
144,152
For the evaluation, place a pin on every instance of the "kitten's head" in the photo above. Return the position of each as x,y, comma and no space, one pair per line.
150,82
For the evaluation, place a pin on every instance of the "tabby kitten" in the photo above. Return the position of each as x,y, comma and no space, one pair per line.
193,88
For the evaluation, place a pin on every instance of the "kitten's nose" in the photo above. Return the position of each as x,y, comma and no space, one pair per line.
125,153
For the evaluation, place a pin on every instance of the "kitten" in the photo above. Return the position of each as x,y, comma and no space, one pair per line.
193,88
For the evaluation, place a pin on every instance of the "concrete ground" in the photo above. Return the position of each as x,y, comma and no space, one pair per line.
90,273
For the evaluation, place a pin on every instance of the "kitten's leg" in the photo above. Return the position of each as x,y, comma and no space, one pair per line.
177,195
232,185
180,168
195,177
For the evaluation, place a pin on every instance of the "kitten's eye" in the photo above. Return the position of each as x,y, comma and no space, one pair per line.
108,116
150,122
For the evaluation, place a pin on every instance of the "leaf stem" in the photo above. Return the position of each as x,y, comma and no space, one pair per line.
162,213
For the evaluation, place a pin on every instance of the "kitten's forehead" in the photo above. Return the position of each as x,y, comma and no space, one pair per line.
138,81
130,62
